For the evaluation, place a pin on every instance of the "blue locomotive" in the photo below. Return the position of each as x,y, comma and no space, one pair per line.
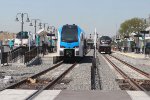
71,41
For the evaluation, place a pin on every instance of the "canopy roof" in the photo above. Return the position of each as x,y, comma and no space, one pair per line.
42,32
148,28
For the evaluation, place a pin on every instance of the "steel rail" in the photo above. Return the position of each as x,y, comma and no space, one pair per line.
132,67
126,77
51,84
33,76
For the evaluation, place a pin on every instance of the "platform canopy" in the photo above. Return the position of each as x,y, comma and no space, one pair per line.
132,34
130,39
42,32
148,28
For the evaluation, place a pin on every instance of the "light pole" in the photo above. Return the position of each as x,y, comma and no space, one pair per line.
22,21
22,16
35,24
44,25
52,30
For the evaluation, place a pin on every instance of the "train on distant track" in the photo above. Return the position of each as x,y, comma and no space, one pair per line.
71,41
104,44
22,39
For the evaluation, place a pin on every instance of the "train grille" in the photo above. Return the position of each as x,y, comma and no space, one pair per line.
69,52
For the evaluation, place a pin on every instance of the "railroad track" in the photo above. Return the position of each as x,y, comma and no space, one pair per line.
41,85
33,76
51,84
133,83
46,84
132,67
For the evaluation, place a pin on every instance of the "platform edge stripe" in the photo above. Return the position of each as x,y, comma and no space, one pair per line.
41,96
134,95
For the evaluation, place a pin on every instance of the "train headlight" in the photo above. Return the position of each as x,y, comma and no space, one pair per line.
102,41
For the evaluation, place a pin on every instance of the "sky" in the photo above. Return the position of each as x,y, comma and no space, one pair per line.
104,15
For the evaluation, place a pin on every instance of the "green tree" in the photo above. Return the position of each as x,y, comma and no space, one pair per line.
132,25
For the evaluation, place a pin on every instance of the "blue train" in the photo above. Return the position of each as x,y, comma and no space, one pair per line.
71,41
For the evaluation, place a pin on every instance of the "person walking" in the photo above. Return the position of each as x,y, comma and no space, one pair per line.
11,44
43,48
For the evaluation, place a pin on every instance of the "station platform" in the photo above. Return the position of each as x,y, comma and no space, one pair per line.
132,55
11,94
51,54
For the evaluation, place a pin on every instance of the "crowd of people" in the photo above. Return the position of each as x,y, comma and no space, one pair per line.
44,48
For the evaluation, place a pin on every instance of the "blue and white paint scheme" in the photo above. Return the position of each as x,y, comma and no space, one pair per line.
71,39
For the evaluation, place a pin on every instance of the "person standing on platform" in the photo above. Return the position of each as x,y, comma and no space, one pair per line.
11,44
43,47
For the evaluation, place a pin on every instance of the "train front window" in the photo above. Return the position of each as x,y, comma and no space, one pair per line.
105,38
22,35
69,34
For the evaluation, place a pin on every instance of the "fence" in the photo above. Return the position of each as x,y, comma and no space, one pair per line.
21,54
4,58
30,54
15,55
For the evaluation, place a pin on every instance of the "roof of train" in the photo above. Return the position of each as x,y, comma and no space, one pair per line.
105,38
73,25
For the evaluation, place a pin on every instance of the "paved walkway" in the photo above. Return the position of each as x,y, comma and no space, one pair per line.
14,94
133,55
51,54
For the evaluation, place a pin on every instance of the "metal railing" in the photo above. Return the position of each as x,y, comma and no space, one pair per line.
30,54
15,55
4,58
21,55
